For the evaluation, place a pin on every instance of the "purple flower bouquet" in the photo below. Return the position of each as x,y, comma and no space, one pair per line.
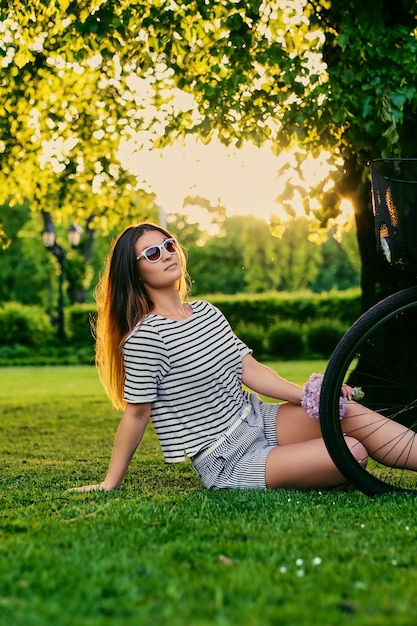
311,396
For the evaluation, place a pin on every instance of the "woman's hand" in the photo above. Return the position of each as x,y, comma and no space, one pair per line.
352,393
346,392
99,487
129,435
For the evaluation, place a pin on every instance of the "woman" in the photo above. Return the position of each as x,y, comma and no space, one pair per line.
179,363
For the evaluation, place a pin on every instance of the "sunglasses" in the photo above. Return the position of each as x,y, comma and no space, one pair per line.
154,253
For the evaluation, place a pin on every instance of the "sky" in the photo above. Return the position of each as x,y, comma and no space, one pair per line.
243,180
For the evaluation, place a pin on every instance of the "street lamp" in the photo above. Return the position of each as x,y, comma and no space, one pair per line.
74,235
50,242
49,236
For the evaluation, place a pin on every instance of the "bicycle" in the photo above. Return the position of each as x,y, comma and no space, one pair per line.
379,351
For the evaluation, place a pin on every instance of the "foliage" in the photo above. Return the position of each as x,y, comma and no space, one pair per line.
28,338
80,324
297,259
254,336
245,255
105,79
338,265
317,75
25,274
371,56
60,152
28,326
322,336
49,354
266,309
218,266
249,258
29,273
285,341
179,554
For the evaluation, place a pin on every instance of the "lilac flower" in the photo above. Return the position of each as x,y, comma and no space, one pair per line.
311,396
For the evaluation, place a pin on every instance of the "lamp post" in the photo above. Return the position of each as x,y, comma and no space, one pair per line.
50,241
74,235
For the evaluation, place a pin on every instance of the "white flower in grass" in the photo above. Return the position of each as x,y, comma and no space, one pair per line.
300,573
316,561
299,562
283,569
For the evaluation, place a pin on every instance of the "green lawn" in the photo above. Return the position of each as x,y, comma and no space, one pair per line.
163,551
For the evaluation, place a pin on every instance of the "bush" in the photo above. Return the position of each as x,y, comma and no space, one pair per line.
24,325
253,336
79,318
272,325
323,336
267,309
285,341
49,355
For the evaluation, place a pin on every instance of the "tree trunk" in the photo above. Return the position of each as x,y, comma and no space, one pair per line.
77,292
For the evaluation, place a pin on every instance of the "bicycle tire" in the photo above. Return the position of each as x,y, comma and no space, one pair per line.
360,358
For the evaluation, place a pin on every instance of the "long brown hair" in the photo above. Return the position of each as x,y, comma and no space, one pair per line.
122,302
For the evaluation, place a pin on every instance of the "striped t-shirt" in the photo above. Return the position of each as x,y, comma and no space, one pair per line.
191,373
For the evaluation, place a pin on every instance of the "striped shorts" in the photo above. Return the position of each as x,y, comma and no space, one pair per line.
239,461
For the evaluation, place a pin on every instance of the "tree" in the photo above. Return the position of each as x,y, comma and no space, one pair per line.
60,136
24,272
371,106
244,256
78,77
336,270
217,267
296,258
79,272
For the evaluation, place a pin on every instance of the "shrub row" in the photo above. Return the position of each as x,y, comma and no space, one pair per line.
266,309
279,326
28,337
28,326
289,340
284,341
31,326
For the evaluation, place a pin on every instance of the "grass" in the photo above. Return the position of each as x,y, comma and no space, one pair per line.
163,551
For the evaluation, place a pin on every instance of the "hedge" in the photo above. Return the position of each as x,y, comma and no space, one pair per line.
79,321
265,310
25,325
322,337
285,341
276,325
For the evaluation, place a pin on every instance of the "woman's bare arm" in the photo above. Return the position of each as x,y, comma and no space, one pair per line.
128,437
265,381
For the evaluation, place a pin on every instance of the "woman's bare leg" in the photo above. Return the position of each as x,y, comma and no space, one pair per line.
387,441
301,460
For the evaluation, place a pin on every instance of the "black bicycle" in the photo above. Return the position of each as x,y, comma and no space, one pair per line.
379,352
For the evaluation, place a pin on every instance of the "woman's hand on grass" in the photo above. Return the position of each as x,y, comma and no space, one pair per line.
99,487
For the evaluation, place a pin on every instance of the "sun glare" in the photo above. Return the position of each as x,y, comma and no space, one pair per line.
245,181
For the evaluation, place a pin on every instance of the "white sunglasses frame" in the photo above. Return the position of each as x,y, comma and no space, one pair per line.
160,248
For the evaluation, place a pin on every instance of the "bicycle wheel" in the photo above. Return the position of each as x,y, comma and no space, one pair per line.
379,354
